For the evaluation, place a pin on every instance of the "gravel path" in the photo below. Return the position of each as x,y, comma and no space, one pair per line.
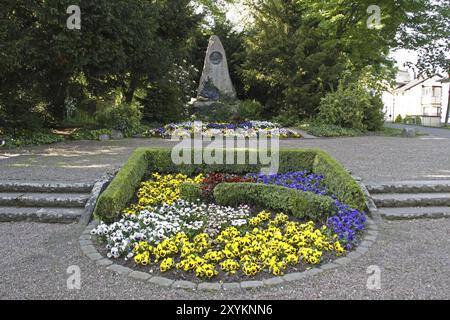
372,158
413,257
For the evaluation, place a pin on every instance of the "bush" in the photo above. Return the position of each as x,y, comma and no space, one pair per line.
146,160
123,117
338,181
220,111
374,115
86,134
29,138
418,120
250,110
352,107
398,119
190,192
296,202
121,190
330,130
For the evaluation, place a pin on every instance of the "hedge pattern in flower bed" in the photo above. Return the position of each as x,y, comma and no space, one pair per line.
146,160
228,239
247,129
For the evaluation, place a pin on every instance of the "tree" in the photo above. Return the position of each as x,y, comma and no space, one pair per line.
123,46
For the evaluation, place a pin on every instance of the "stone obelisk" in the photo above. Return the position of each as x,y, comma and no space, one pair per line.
215,81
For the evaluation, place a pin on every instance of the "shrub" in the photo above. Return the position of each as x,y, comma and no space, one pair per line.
338,181
330,130
213,179
86,134
220,111
146,160
418,120
374,115
123,117
296,202
121,190
190,192
353,107
28,138
398,119
250,110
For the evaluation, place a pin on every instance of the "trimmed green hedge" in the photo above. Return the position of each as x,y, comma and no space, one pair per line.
338,181
190,192
146,160
296,202
122,188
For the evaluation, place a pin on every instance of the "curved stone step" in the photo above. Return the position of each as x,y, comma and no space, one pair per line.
395,200
69,200
47,215
434,186
415,213
44,187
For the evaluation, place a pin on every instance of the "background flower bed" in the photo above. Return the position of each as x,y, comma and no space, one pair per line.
245,129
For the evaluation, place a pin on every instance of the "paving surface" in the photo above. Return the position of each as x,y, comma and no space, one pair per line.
439,132
412,256
372,158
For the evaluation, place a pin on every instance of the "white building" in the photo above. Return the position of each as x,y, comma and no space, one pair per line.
425,97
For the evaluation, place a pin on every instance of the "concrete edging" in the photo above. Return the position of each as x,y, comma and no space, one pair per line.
91,252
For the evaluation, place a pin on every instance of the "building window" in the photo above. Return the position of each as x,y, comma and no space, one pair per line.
437,92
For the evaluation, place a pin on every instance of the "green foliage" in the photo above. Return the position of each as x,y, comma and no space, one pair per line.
190,192
330,130
418,120
28,138
250,110
374,115
398,119
125,117
352,106
146,160
86,134
285,119
43,63
219,111
121,190
338,181
296,202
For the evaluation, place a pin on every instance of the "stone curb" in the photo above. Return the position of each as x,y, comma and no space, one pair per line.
96,191
91,252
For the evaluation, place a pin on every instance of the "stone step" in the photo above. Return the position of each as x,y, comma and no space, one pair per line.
415,213
19,199
46,215
45,187
395,200
438,186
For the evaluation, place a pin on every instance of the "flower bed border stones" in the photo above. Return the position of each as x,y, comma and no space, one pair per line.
91,252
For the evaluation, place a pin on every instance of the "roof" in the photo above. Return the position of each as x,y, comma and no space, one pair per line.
415,82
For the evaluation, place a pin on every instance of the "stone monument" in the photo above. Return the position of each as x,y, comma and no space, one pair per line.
215,81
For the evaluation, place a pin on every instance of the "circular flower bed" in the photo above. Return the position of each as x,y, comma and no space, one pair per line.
246,129
164,234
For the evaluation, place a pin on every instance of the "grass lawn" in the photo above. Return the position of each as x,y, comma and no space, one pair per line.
323,130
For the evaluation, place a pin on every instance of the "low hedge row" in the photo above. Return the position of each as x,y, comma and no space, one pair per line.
146,160
338,181
296,202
